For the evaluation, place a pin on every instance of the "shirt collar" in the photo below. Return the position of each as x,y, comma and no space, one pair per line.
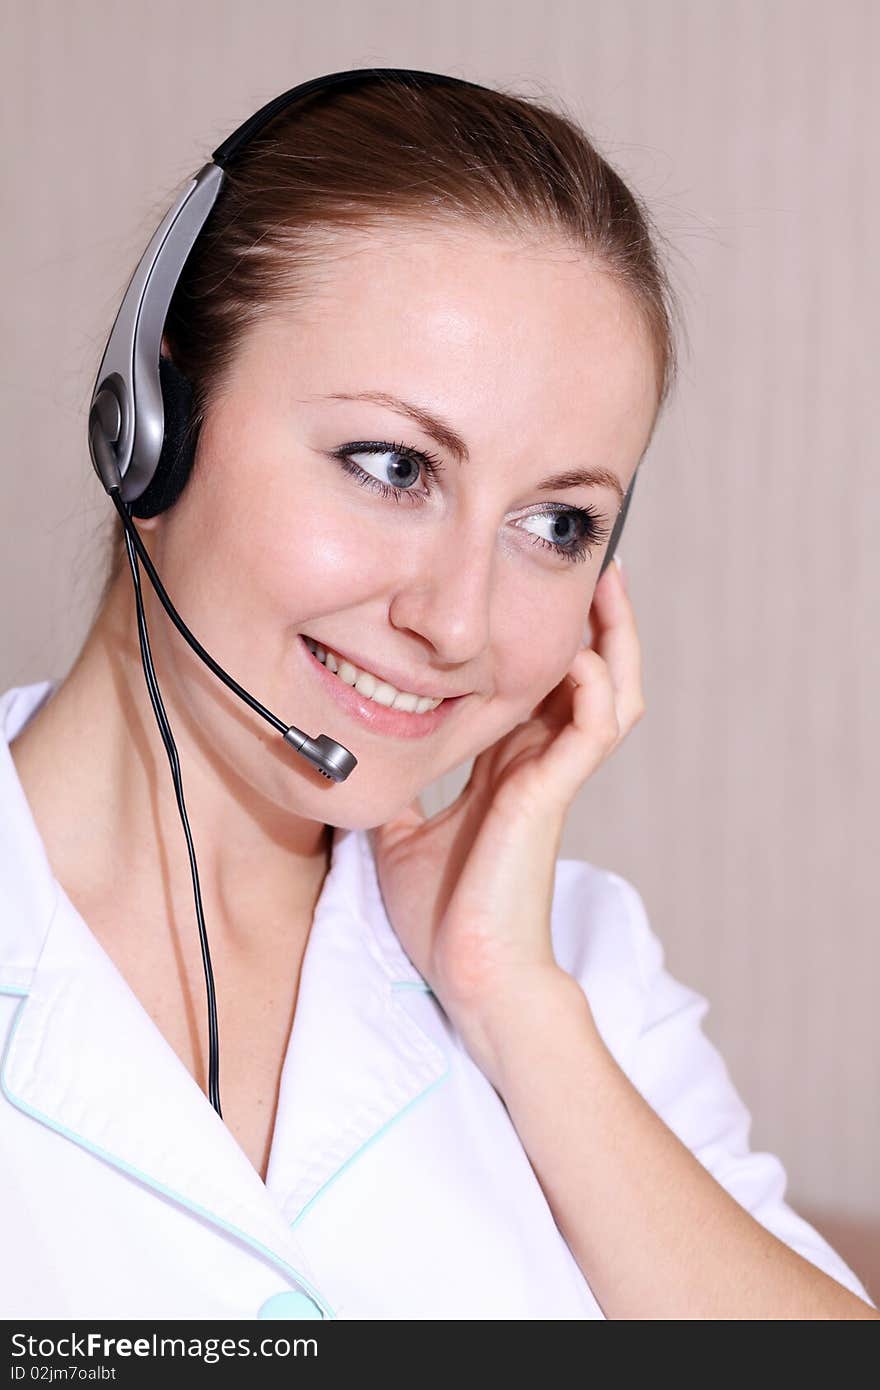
28,889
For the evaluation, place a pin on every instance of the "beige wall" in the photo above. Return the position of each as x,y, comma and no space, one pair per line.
744,805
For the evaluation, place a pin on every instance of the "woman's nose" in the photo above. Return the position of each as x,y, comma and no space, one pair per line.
447,600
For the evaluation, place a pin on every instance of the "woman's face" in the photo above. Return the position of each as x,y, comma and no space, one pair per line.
468,576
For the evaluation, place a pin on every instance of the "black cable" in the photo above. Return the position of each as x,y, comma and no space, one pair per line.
135,547
131,530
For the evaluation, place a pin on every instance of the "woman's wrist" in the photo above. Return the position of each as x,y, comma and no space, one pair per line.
520,1025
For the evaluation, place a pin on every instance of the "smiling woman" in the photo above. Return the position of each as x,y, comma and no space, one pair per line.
409,370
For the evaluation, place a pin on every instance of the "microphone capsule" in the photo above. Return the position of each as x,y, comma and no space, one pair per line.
329,758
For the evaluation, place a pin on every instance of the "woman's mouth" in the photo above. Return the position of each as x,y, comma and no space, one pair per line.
374,703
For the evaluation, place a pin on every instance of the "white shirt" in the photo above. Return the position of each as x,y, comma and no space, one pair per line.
397,1186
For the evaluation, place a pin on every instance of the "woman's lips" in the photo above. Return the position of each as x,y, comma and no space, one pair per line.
397,723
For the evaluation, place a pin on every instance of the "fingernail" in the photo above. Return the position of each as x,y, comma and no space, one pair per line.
618,560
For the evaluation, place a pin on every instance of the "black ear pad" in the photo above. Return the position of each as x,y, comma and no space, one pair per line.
178,443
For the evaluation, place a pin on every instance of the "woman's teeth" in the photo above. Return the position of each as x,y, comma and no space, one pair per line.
365,683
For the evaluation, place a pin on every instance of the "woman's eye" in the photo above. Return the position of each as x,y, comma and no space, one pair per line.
390,469
573,531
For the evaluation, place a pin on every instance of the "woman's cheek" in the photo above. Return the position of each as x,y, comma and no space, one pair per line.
554,673
328,567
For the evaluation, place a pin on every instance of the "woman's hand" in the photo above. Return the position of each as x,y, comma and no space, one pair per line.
469,891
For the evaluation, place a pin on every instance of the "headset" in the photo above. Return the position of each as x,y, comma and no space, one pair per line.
142,446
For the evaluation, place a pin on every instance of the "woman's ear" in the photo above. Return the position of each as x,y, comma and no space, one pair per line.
147,524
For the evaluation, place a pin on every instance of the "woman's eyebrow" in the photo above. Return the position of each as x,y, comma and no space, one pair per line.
452,442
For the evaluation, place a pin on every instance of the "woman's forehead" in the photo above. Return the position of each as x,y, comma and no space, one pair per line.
464,289
490,331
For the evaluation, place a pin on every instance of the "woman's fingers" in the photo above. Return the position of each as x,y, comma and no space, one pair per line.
605,684
617,642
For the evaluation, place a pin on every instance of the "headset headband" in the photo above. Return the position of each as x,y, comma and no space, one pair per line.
127,412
